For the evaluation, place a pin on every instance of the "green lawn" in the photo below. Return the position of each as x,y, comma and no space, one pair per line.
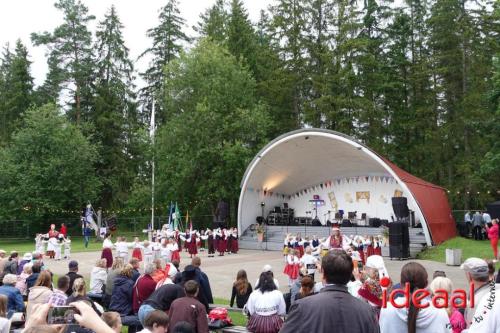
470,248
77,245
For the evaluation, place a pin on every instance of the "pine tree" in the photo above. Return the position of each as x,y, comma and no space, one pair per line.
114,115
70,54
167,38
213,23
16,89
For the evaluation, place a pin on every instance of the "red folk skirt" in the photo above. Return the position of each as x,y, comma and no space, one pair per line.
136,253
377,251
292,270
301,251
264,324
176,256
221,245
235,246
192,248
108,255
369,251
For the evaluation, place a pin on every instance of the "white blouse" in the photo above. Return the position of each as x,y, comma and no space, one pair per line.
266,304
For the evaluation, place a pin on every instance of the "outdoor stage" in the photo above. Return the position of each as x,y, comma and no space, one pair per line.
306,179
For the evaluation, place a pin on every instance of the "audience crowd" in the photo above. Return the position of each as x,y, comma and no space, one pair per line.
333,291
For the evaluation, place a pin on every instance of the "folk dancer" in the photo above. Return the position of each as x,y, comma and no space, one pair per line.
107,247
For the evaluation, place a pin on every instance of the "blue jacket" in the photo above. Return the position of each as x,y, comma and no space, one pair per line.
30,280
15,299
121,298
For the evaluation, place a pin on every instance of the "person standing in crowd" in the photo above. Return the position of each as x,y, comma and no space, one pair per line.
457,320
477,226
241,290
189,309
72,274
333,308
59,297
266,306
468,222
493,237
143,288
63,231
203,281
40,293
476,272
414,319
14,298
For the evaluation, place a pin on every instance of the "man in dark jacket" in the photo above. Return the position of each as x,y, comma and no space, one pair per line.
189,309
204,294
73,275
160,299
121,298
333,309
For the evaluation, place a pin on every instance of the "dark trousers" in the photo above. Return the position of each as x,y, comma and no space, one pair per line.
477,232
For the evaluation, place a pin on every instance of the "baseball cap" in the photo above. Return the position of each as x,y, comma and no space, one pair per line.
477,267
73,264
267,268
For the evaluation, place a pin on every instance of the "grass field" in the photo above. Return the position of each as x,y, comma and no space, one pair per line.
77,245
470,248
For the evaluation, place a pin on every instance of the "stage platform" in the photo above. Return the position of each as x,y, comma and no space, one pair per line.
276,235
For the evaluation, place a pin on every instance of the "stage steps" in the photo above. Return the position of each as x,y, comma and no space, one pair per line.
276,235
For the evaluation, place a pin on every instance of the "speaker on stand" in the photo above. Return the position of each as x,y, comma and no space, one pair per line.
399,240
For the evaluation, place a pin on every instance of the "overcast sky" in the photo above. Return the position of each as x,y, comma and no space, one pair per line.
19,18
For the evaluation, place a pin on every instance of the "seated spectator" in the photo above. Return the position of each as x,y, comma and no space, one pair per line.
80,294
3,260
110,280
143,288
27,258
21,279
183,327
14,298
413,319
169,274
268,268
4,322
136,265
457,320
477,273
73,275
40,293
11,265
306,288
59,297
189,309
113,320
333,309
160,299
98,277
371,291
30,280
121,299
176,264
265,306
241,289
158,273
156,322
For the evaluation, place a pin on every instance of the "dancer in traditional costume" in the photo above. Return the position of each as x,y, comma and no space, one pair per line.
156,249
58,247
148,253
209,237
221,241
67,248
369,247
122,248
377,246
52,241
292,267
137,249
174,248
299,245
165,252
234,244
335,241
107,253
192,244
229,242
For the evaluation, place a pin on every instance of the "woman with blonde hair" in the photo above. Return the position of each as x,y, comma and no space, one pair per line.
4,322
98,277
40,293
457,320
21,279
80,294
241,289
121,299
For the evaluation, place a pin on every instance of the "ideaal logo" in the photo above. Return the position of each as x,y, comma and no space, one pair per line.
440,299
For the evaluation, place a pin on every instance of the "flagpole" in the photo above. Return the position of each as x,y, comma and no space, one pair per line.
152,135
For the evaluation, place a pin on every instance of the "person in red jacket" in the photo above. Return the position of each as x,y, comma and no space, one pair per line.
63,230
493,236
143,288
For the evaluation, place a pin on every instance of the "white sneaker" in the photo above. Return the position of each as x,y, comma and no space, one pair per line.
494,261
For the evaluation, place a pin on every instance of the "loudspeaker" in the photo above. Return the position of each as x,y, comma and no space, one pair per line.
374,222
316,223
399,240
346,223
384,223
400,207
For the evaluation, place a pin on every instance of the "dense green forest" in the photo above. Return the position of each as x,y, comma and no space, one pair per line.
419,82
